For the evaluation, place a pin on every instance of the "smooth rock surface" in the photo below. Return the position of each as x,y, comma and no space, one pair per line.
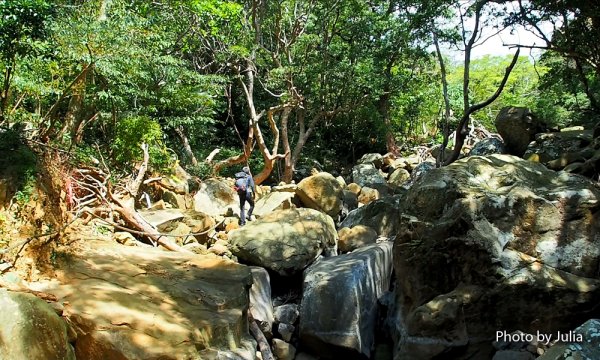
321,192
353,283
144,303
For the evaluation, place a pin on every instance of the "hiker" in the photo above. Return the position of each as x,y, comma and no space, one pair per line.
244,185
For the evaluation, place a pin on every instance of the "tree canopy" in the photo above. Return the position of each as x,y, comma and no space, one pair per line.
278,84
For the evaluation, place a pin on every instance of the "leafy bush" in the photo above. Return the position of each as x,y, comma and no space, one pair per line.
131,133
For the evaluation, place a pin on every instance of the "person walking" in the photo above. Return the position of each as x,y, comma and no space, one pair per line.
244,185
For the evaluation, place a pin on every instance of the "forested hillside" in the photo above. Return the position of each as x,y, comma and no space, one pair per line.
276,83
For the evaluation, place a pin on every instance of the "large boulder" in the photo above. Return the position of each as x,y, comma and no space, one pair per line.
145,303
321,192
340,296
277,200
518,127
285,241
31,329
494,243
382,215
216,197
367,175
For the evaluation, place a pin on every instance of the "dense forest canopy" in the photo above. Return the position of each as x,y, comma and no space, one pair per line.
280,83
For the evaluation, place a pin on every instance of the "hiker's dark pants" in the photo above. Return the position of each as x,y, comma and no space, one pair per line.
245,196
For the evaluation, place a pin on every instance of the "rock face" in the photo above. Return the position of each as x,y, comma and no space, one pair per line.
30,329
352,283
140,303
518,127
216,197
491,243
381,215
367,175
321,192
285,241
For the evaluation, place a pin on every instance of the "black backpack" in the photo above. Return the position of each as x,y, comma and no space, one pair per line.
241,182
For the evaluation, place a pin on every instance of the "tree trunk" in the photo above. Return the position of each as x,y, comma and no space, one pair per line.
187,149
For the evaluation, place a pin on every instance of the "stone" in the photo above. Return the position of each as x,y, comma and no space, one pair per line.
350,282
261,306
125,238
146,303
488,146
285,241
517,126
163,220
278,200
354,188
176,200
178,182
219,249
283,350
286,331
556,145
381,215
181,234
216,197
357,237
31,329
286,313
573,348
321,192
420,169
488,235
304,356
367,175
368,195
341,181
372,158
399,177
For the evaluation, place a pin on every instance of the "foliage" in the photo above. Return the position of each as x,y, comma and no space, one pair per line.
131,133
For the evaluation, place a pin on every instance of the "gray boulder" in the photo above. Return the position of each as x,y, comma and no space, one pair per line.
339,302
286,313
30,329
276,200
488,146
367,175
518,127
261,306
372,158
480,240
285,241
